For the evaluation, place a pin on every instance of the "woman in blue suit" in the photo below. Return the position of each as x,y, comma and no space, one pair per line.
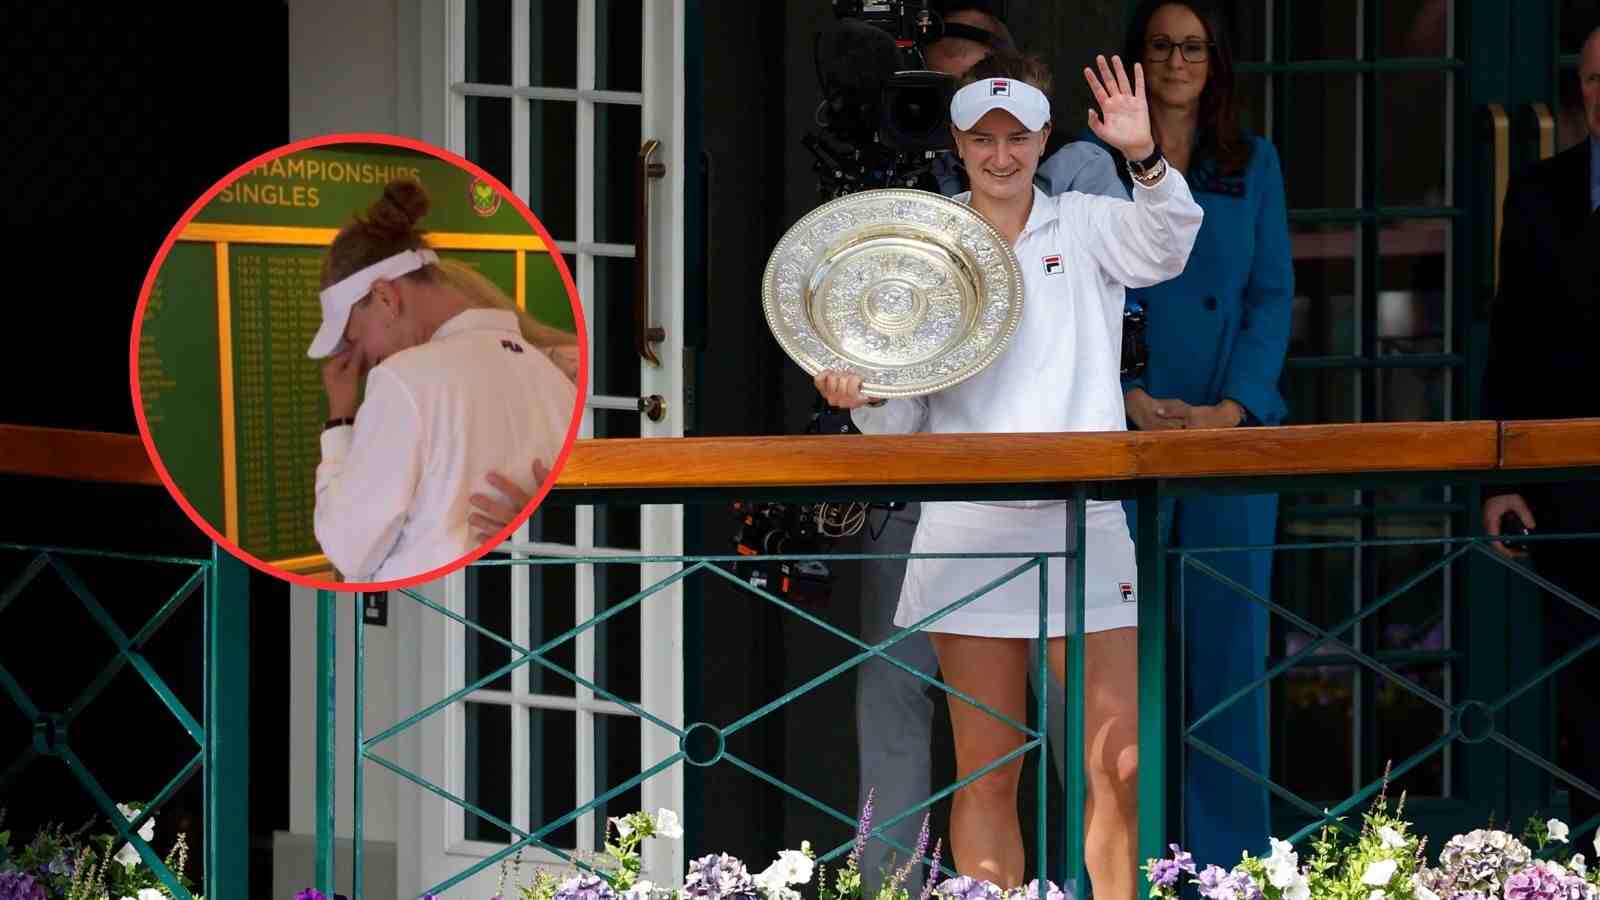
1217,336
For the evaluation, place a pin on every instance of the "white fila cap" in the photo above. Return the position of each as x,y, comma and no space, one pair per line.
1026,102
339,298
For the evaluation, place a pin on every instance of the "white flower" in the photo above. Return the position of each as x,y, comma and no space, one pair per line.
1281,872
1578,864
623,828
1420,890
1558,830
1377,895
1391,838
151,894
1300,889
1597,843
1379,873
640,891
796,866
1282,851
128,856
667,825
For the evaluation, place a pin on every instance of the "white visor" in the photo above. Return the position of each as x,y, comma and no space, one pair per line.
1026,102
338,299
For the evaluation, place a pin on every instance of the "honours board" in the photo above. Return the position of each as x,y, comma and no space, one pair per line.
234,406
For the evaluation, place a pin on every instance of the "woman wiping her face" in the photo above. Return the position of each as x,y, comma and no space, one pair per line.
458,384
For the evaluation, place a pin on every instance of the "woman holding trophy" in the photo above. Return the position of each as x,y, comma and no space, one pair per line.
1077,253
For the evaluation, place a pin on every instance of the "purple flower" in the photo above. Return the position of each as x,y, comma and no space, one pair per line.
1533,883
1182,858
716,877
933,871
19,886
1052,891
1164,873
862,829
307,894
964,887
1216,884
916,855
585,887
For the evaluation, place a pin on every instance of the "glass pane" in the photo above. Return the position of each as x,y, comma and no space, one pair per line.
552,603
1324,318
1251,94
1412,312
620,24
489,606
1318,585
1413,141
553,787
1321,149
553,166
616,364
617,639
1324,30
616,759
488,756
489,41
553,51
1415,27
1416,620
489,136
1323,396
1247,26
1577,17
1314,732
1411,395
1407,723
616,176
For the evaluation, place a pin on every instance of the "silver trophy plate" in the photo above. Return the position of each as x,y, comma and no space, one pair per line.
913,291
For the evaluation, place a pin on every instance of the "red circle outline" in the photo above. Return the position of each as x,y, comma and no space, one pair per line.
506,194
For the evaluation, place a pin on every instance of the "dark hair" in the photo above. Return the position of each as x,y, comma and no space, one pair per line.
389,227
1221,143
1009,64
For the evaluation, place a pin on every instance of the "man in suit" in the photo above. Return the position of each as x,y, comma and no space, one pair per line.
1543,365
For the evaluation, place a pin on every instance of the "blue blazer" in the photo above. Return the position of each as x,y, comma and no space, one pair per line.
1220,330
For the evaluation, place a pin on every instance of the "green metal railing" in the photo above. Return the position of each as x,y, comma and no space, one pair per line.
221,736
1162,735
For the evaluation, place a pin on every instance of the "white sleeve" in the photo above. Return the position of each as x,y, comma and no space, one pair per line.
367,478
906,416
1146,241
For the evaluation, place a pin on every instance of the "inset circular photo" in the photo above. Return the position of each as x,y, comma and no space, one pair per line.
358,362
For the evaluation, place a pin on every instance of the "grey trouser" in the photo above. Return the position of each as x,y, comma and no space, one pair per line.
894,710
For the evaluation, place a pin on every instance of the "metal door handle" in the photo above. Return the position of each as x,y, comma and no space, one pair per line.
1500,126
1547,129
645,334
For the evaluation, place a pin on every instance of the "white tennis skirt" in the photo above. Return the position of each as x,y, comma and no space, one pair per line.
1111,598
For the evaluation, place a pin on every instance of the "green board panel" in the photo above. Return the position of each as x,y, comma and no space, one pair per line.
547,293
279,404
325,187
178,384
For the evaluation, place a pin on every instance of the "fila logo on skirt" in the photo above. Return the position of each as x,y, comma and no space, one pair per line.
1052,265
1127,592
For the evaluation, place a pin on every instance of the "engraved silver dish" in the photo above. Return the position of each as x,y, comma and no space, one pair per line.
913,291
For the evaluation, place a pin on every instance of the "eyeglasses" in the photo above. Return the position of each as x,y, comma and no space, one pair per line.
1159,49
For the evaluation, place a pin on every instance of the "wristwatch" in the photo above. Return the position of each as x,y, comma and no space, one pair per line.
335,423
1147,170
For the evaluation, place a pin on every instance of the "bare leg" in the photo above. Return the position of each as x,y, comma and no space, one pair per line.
1111,757
985,836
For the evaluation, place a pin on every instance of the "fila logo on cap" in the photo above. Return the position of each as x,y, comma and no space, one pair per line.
1052,265
999,87
1127,592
